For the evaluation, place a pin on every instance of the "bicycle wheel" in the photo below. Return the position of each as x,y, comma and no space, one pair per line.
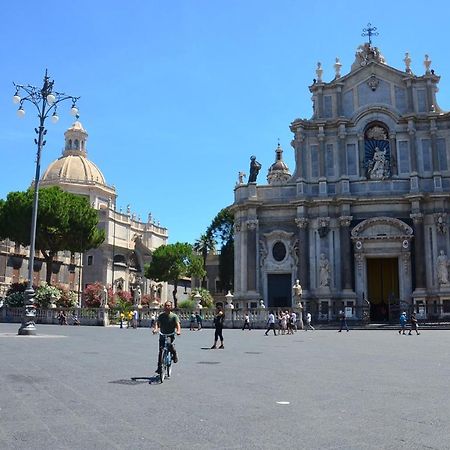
168,364
162,373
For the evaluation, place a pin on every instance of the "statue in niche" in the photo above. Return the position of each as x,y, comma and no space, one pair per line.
255,167
378,167
442,268
324,271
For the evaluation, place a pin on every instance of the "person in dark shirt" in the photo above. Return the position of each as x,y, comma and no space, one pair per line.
168,323
218,325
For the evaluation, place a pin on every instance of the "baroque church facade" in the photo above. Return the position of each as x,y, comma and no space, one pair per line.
119,261
362,221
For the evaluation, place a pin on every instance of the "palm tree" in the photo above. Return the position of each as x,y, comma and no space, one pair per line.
204,245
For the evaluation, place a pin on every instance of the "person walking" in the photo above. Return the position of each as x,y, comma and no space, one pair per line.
343,321
192,322
218,325
403,321
135,319
246,322
308,322
199,319
414,324
271,323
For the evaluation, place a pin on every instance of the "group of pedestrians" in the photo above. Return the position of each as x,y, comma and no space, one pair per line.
404,322
195,322
287,322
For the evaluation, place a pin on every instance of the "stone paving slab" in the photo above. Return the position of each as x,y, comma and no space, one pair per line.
96,389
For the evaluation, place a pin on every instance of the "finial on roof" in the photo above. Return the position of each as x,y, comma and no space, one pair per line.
427,63
319,72
369,31
337,68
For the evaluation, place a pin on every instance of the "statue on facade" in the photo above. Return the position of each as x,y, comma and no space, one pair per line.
104,297
241,176
442,268
378,167
324,271
297,289
255,167
137,295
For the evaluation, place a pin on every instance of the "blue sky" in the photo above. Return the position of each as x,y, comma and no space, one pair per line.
176,96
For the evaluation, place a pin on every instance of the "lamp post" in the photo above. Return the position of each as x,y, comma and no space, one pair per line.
45,100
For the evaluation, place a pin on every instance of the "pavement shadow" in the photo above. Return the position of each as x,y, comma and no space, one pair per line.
133,381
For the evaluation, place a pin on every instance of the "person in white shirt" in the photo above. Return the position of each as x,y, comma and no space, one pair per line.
308,322
271,323
246,322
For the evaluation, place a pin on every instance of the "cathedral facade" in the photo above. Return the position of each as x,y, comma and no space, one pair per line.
361,221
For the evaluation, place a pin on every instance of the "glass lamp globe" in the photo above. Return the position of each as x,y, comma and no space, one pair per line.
51,98
74,110
55,117
16,99
21,112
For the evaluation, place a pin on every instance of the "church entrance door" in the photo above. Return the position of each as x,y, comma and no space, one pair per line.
382,286
279,290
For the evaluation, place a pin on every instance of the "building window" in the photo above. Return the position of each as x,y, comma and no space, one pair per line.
403,157
89,260
352,166
314,161
279,251
327,106
426,155
442,153
330,160
421,100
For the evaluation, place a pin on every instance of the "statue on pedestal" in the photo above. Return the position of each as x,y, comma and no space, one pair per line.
442,268
255,167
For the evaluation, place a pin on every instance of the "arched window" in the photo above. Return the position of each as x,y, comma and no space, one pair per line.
69,144
77,144
377,152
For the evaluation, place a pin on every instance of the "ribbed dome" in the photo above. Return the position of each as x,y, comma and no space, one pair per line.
74,168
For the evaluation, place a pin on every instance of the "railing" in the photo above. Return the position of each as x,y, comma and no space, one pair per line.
361,315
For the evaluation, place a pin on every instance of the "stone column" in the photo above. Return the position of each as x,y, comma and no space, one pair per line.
412,147
346,252
434,153
303,249
409,96
321,136
419,240
362,156
339,101
341,163
238,249
393,146
251,254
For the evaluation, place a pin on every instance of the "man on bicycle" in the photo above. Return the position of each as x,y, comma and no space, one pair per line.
168,323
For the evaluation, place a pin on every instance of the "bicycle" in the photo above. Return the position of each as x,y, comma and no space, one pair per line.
165,363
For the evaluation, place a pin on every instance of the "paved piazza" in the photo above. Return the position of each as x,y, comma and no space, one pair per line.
316,390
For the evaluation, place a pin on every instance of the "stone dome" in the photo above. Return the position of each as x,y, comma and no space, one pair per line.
73,165
278,171
76,168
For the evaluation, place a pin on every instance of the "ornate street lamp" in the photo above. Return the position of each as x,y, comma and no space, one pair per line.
46,101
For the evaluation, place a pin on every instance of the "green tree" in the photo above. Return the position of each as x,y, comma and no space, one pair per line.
203,245
222,231
172,262
64,222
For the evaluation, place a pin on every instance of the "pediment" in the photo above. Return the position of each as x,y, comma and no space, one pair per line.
381,227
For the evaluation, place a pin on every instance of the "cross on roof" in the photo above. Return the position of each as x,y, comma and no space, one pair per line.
370,31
